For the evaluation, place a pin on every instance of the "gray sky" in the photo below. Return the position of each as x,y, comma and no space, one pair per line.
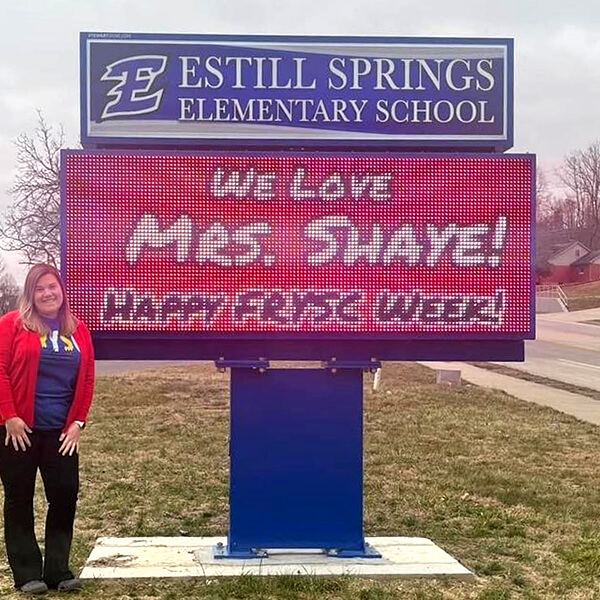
557,54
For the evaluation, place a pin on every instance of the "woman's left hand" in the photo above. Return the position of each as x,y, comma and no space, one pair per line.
70,440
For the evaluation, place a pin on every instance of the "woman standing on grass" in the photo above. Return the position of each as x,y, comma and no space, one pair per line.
46,388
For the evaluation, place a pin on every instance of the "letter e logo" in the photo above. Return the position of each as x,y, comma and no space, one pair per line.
132,94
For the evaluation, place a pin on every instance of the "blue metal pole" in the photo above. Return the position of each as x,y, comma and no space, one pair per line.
296,461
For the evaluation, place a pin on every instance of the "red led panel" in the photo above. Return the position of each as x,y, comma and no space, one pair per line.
401,245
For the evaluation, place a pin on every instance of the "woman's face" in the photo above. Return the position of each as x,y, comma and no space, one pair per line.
48,296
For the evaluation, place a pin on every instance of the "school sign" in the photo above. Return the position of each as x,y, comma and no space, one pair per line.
143,89
246,199
299,197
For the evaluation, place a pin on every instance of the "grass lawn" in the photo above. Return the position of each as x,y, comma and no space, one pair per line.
583,296
510,489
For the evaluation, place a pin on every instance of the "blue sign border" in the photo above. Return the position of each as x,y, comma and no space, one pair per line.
492,144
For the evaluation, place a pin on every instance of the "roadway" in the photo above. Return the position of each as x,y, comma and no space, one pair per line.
567,348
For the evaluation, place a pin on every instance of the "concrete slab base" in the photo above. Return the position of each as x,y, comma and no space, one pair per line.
124,558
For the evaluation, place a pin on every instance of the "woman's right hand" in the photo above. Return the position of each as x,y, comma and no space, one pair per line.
16,432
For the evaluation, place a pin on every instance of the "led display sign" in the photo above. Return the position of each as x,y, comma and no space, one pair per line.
146,89
255,244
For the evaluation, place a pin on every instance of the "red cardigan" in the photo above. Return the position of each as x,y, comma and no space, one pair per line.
20,351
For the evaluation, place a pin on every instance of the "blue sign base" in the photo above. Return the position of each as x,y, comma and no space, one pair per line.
221,551
296,455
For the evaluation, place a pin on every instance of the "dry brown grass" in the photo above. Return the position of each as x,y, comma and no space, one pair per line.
508,488
583,296
583,289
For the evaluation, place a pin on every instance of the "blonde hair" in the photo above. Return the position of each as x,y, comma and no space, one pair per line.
32,320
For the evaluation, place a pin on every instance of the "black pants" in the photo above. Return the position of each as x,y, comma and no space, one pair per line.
60,475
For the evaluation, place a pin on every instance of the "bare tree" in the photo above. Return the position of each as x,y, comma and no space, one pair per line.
550,226
580,173
544,197
31,223
9,290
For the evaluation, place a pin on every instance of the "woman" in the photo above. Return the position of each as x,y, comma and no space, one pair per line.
46,388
